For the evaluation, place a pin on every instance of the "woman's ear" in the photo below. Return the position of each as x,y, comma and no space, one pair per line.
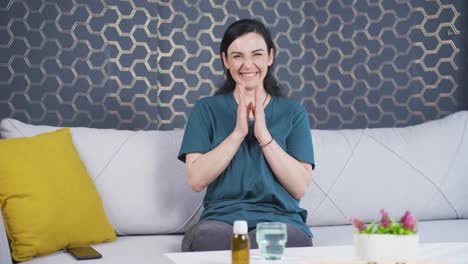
223,55
271,56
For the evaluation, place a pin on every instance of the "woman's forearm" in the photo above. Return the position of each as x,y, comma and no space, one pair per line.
202,169
294,175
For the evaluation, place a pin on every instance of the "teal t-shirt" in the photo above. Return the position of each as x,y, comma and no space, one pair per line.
247,189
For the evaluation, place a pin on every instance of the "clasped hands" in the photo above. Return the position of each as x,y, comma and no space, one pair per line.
255,107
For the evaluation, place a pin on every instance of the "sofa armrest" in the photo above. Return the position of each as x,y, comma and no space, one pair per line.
5,256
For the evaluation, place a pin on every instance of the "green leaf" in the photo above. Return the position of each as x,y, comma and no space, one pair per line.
370,228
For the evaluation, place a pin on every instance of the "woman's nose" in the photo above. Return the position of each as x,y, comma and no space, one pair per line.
248,62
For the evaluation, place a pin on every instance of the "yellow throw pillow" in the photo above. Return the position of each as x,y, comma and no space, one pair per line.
49,201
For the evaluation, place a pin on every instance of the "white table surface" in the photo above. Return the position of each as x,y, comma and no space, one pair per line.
451,253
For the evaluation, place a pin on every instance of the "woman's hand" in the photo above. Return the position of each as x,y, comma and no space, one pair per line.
243,110
260,128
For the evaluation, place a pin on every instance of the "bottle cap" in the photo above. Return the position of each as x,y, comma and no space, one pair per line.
240,227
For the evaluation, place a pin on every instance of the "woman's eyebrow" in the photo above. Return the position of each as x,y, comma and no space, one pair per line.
238,52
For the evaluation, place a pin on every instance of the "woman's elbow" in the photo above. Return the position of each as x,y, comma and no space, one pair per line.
299,194
195,184
196,187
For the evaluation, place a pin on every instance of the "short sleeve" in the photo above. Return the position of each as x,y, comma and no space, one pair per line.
299,141
198,132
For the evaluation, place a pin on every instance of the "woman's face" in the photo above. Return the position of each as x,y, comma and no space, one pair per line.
247,59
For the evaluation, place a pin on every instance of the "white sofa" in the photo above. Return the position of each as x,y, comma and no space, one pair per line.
423,168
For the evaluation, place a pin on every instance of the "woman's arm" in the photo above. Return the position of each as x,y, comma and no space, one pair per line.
294,175
202,169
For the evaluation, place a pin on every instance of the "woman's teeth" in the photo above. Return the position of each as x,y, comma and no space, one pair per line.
249,74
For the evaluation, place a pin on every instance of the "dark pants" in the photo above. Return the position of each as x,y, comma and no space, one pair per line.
215,235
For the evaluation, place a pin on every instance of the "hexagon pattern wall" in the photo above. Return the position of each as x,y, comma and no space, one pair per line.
142,64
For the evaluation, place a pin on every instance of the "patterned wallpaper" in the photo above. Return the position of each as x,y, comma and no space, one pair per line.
141,64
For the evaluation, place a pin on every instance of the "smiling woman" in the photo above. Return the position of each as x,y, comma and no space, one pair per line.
255,169
248,59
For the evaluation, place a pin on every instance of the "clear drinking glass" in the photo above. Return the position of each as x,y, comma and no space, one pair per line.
271,239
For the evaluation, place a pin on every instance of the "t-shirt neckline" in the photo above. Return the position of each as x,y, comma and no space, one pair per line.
234,102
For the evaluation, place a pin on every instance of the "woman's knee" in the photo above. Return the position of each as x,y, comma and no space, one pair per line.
297,237
207,236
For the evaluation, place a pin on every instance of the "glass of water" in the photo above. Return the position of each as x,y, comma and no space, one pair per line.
271,239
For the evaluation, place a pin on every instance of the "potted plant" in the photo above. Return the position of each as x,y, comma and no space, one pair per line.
388,240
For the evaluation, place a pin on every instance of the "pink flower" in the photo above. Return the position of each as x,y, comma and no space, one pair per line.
385,220
409,221
360,225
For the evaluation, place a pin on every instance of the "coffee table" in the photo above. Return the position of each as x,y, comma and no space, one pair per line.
450,253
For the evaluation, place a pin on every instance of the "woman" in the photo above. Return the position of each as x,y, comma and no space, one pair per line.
249,146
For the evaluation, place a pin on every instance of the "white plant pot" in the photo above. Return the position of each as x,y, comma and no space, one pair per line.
378,247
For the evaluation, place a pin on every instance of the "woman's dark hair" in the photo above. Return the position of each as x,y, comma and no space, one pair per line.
238,29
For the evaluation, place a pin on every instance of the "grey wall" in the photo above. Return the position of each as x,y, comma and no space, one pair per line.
143,64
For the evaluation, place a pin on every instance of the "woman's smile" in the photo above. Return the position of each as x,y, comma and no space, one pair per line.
249,75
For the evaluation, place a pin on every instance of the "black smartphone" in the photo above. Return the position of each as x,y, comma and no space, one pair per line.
84,253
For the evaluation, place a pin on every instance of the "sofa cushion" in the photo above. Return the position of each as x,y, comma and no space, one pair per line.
48,200
150,249
142,184
130,249
421,168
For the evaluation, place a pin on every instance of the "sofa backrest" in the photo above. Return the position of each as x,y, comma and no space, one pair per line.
142,184
421,168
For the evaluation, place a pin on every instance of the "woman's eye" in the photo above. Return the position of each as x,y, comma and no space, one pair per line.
258,54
